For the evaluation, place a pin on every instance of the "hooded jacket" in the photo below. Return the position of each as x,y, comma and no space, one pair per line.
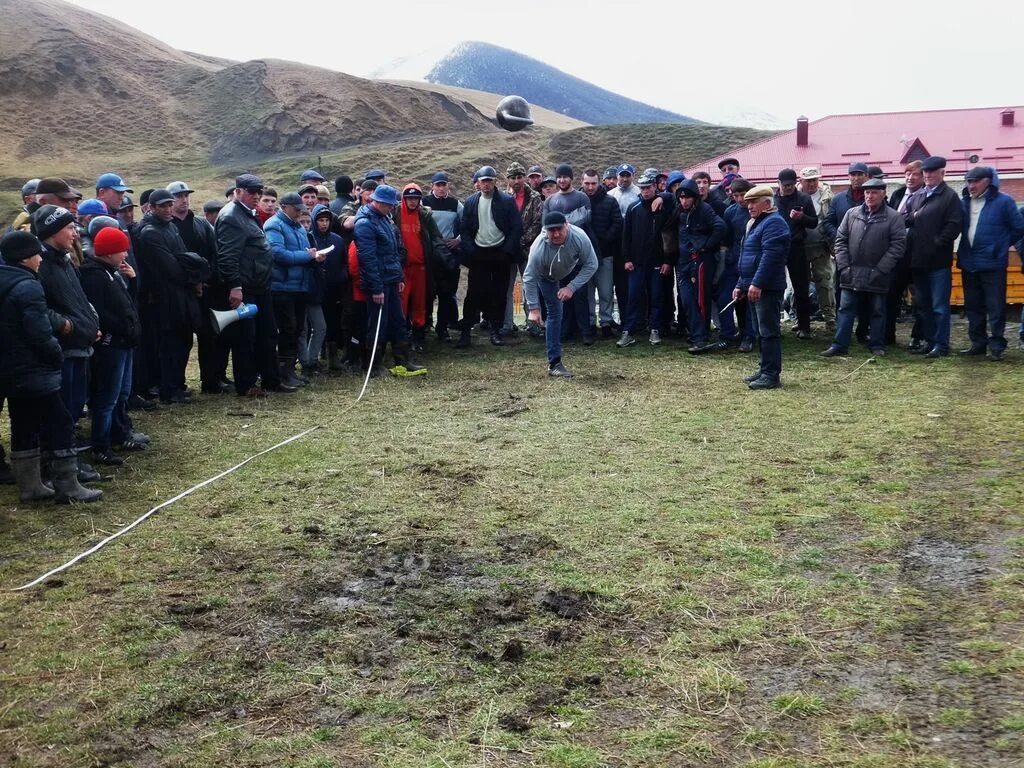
436,253
289,246
699,230
67,301
30,357
868,248
557,262
999,226
335,266
376,242
765,250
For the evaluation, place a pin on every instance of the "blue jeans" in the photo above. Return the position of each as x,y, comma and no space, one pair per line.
931,292
111,387
767,319
985,294
553,322
644,283
74,385
851,305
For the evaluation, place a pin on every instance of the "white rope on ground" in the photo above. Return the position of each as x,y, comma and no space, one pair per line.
373,353
158,507
215,478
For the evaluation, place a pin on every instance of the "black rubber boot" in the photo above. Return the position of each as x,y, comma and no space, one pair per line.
25,466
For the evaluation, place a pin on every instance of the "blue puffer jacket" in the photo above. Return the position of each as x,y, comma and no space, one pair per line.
999,226
293,266
763,261
377,246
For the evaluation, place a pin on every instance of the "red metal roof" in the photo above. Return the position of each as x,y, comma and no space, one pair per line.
883,139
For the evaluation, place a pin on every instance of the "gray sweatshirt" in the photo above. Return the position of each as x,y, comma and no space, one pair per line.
556,262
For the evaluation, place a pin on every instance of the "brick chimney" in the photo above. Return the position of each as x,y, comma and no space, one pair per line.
801,131
1008,118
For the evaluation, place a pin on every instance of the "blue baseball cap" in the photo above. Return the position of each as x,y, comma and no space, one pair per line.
113,181
385,194
92,207
439,178
626,168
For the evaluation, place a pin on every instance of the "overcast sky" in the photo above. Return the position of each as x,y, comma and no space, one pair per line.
816,57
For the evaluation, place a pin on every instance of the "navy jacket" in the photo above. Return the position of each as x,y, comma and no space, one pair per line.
699,230
736,218
933,225
765,249
641,235
999,226
30,356
377,246
841,203
506,217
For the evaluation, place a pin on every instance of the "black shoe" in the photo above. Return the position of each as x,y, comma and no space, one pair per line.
764,382
108,458
559,371
834,351
444,337
178,398
465,340
746,346
707,346
284,389
805,335
918,347
878,351
975,350
607,332
136,403
936,352
996,355
589,339
752,377
496,340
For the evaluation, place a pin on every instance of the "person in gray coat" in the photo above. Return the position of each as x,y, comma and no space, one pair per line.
870,242
562,260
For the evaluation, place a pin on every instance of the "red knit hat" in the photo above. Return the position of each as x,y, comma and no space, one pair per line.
110,240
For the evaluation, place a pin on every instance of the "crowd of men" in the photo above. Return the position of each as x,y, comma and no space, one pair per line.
99,313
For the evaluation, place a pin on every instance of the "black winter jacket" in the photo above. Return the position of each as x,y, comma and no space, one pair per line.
108,293
67,301
606,223
176,300
30,356
506,218
641,235
244,258
797,227
198,235
933,225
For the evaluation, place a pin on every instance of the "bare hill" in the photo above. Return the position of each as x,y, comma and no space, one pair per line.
116,90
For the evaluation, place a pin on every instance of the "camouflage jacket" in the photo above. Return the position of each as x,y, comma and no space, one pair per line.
532,215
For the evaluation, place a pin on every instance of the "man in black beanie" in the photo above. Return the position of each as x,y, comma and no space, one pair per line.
343,187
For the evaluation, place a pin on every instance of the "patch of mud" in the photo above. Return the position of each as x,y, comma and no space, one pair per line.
942,563
511,407
565,603
517,547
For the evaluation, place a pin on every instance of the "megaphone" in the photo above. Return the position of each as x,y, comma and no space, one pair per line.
222,319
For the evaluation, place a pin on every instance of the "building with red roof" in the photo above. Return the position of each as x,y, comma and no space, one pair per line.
965,137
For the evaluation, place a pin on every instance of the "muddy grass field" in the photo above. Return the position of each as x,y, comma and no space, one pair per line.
646,566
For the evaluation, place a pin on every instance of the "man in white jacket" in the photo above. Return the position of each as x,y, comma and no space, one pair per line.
561,262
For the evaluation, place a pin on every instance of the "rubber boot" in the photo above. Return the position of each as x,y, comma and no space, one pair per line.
87,473
65,482
334,357
287,373
26,473
419,339
465,339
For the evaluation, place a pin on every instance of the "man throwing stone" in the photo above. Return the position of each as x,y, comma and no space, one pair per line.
562,261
